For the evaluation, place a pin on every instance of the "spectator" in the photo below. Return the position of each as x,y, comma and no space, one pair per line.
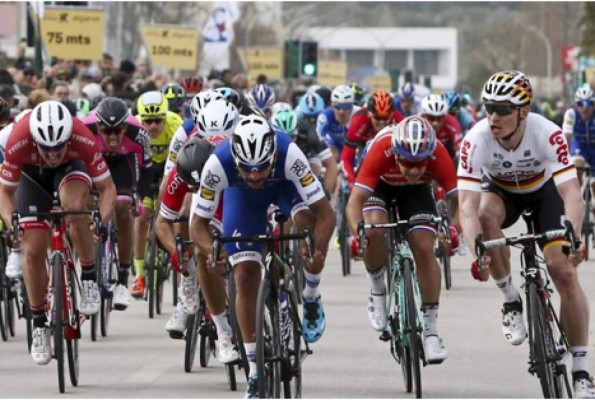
227,77
142,70
91,90
128,68
59,90
25,77
121,88
38,96
240,83
106,65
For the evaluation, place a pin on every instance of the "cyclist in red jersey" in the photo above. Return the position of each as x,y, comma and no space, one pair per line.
400,165
447,127
363,126
48,150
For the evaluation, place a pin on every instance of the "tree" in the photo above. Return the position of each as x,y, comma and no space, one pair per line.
588,29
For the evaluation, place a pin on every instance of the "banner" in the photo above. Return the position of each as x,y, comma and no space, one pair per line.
590,75
73,34
380,82
262,61
172,47
332,73
218,35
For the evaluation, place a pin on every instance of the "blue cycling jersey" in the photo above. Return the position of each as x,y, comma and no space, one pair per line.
330,130
465,119
399,107
188,125
583,136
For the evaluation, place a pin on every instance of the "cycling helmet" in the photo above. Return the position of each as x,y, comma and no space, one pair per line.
452,99
112,112
50,123
191,85
310,105
219,117
70,105
254,142
434,105
192,158
280,106
342,94
175,95
413,138
287,121
231,95
261,96
325,93
202,99
512,86
95,102
4,111
152,104
583,94
83,106
380,104
407,91
358,93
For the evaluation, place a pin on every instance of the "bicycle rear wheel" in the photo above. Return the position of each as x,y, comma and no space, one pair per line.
57,318
412,328
72,344
292,388
207,339
268,337
344,243
150,271
399,349
111,278
444,258
235,327
191,339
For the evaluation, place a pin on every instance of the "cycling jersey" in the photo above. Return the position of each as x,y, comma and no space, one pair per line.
22,151
450,135
360,131
541,154
582,144
330,130
465,119
308,142
160,144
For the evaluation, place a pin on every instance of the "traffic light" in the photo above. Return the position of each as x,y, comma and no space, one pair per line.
309,65
291,59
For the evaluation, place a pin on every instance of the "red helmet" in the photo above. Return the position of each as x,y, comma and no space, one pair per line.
380,104
192,85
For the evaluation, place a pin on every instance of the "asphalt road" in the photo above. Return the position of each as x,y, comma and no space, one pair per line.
139,360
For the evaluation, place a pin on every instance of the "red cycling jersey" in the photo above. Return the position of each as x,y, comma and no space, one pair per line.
360,131
380,163
21,150
450,134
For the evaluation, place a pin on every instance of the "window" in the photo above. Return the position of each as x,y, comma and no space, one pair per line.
425,62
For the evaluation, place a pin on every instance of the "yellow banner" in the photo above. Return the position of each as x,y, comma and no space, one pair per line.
73,34
263,61
380,82
590,74
332,73
171,47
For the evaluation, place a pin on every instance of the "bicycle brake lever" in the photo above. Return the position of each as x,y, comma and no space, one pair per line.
479,249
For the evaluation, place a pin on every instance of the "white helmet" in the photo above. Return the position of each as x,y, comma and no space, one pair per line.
583,94
50,123
342,94
280,106
433,104
201,99
218,117
254,141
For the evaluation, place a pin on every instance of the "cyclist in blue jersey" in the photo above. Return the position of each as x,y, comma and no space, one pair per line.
405,102
453,103
256,167
579,128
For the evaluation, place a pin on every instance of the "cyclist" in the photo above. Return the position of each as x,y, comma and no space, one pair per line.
261,97
400,163
447,128
309,108
453,104
48,150
161,125
258,166
333,121
125,146
525,161
363,126
237,99
579,127
405,103
358,94
176,98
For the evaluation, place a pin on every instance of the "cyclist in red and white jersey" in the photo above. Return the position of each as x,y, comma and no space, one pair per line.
524,163
363,126
48,150
447,127
400,164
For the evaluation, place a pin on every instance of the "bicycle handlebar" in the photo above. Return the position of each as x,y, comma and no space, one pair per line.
55,216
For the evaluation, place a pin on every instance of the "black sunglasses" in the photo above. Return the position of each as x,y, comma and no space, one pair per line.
501,110
108,130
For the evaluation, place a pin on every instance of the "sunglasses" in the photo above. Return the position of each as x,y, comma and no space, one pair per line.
108,130
584,103
501,110
434,118
153,121
54,149
343,106
412,164
254,168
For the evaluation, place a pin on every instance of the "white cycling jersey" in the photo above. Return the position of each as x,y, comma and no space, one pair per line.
177,141
541,154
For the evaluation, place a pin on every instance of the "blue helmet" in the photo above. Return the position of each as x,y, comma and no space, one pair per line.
452,99
310,105
407,90
261,96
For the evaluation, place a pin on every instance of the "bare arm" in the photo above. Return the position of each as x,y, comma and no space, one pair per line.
8,203
574,206
201,236
107,199
357,198
165,232
330,176
469,217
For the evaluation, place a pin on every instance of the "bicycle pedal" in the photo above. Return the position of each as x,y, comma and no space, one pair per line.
384,336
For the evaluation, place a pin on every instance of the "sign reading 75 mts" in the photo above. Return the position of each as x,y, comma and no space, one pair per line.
172,47
73,34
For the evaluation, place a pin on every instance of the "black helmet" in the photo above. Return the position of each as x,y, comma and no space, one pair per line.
231,95
325,92
4,111
175,95
112,112
70,105
192,159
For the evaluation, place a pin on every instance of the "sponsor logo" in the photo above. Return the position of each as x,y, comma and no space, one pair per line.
207,194
211,180
307,180
298,168
7,173
84,139
102,166
173,186
17,145
527,153
204,208
465,156
314,193
173,156
557,141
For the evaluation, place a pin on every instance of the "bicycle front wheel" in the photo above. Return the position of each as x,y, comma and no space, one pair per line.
192,328
72,344
412,327
57,318
268,338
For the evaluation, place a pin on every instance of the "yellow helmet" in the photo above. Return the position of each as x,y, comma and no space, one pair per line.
152,105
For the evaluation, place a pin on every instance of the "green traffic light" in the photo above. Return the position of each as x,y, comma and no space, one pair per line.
309,69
